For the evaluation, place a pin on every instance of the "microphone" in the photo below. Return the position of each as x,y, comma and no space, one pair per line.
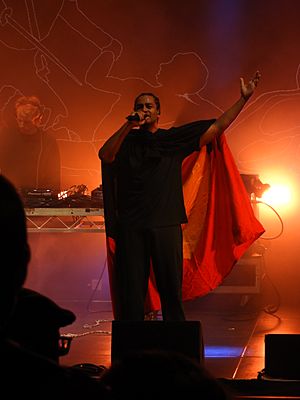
134,117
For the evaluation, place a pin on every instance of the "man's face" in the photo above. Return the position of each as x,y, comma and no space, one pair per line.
28,119
147,105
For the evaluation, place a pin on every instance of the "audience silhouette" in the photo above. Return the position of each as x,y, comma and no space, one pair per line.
36,324
24,372
153,374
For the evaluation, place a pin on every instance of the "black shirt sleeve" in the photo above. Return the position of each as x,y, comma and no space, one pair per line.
184,138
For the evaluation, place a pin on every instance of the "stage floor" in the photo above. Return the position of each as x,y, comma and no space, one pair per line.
233,328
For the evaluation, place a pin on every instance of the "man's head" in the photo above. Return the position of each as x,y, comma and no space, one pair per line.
14,248
29,113
149,104
147,94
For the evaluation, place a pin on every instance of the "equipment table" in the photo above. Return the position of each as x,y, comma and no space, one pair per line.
65,220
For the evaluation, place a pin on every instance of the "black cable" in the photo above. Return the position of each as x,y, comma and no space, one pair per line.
280,219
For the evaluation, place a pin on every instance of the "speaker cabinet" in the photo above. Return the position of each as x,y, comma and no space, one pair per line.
180,336
282,356
245,277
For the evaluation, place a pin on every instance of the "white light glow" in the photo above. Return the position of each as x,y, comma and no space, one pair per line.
277,195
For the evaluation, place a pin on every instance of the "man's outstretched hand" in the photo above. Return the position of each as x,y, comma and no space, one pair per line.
248,89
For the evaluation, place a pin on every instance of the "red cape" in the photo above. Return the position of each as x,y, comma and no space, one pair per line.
221,226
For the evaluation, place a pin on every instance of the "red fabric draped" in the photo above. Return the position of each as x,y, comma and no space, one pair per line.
221,226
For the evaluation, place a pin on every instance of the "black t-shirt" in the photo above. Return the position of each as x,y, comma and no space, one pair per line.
148,175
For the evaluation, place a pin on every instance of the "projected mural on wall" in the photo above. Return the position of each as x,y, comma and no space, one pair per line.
87,61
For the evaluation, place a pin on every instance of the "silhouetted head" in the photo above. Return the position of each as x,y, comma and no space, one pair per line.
14,248
152,374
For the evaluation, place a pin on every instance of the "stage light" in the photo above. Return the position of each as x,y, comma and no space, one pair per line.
277,195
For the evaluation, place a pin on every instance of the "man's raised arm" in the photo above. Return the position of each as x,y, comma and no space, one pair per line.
223,122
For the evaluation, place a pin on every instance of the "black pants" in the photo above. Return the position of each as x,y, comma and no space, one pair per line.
135,250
